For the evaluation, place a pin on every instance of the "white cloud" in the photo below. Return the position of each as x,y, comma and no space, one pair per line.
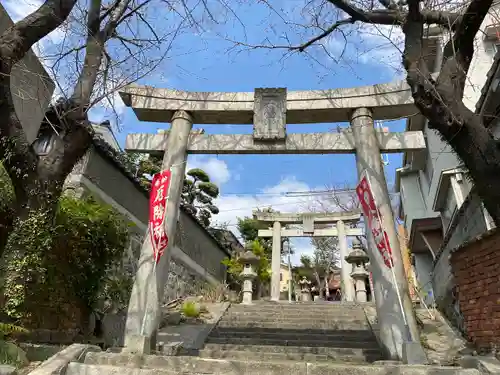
378,46
215,168
238,206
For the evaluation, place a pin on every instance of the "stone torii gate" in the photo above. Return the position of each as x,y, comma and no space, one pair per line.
308,230
269,110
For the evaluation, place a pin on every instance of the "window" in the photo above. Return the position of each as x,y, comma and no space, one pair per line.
429,168
449,209
496,45
281,276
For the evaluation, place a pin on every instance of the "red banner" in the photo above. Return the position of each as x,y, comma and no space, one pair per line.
157,204
373,220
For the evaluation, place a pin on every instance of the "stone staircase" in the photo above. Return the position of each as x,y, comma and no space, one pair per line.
300,332
262,339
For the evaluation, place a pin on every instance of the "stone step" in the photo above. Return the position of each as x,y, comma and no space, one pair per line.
320,309
294,349
291,325
305,342
290,356
319,304
298,314
295,320
293,334
77,368
159,365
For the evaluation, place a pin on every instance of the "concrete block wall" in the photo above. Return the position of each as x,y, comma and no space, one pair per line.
30,85
476,267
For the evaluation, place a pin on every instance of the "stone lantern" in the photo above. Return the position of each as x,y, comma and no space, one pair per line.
358,258
249,261
305,293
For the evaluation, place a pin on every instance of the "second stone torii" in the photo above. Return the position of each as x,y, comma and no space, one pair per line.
308,221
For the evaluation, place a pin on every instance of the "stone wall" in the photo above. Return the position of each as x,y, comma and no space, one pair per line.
202,248
182,281
476,269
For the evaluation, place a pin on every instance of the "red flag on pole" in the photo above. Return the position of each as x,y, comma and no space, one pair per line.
373,220
157,205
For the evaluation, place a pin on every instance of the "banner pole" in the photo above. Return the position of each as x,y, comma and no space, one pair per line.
394,280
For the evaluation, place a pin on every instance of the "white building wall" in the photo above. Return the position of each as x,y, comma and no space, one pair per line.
440,155
481,63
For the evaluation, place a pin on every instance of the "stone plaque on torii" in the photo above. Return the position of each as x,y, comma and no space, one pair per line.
269,110
308,220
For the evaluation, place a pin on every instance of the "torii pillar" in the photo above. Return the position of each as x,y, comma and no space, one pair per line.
143,315
348,292
393,330
276,262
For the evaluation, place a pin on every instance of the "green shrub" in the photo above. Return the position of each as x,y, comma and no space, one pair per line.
55,268
191,309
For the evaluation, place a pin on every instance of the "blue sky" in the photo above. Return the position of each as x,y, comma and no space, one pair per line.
206,61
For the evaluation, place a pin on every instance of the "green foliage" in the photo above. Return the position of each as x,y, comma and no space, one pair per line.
7,329
198,174
305,269
249,230
198,192
234,267
26,250
190,309
306,261
147,168
6,191
96,234
61,261
6,207
114,294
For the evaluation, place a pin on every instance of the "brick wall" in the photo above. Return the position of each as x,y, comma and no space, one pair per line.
476,268
467,224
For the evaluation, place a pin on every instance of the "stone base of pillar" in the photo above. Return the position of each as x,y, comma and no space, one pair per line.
305,296
361,296
247,290
414,354
247,298
137,344
361,290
